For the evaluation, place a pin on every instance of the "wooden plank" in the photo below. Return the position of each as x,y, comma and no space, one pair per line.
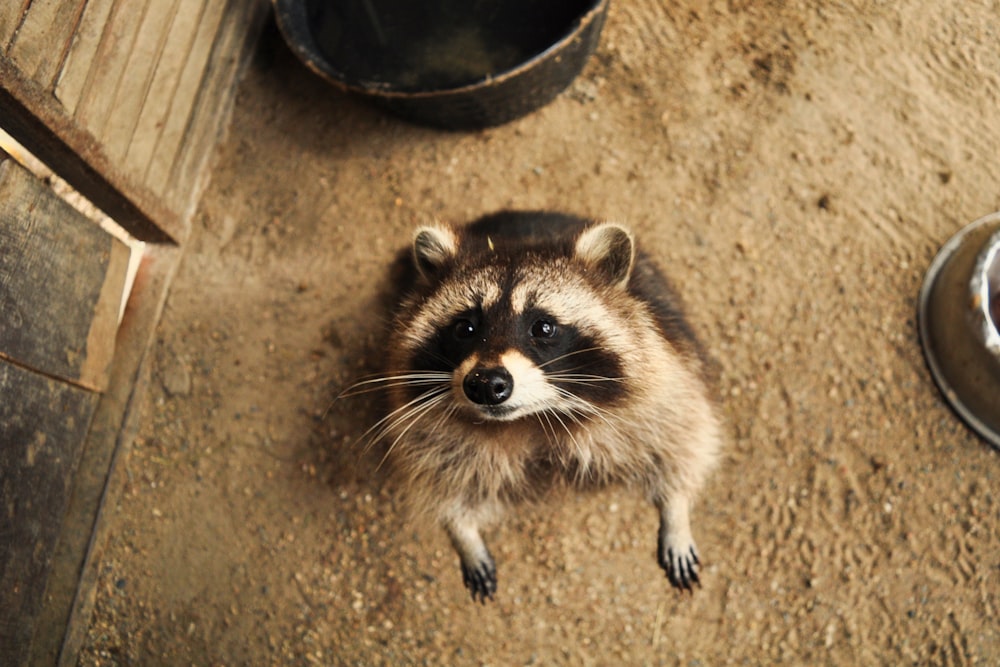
158,106
117,43
42,426
144,171
61,282
38,122
44,37
137,77
157,174
11,12
241,24
80,60
62,624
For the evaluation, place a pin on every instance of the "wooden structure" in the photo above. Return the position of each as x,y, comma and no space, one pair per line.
125,100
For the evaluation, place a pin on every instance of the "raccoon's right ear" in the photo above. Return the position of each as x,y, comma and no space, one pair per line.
433,247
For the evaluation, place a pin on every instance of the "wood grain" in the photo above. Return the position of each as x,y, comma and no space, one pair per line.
230,52
166,85
80,63
11,12
179,123
120,33
136,81
43,39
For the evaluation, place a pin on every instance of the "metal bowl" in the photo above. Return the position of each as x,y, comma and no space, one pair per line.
959,319
456,64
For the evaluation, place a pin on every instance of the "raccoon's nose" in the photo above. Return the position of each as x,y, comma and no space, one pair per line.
488,386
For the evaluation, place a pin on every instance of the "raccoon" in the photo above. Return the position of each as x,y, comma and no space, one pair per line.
535,349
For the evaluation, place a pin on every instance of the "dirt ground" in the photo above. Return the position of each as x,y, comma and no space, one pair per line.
794,166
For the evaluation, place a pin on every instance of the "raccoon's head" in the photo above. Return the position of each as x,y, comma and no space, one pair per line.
518,329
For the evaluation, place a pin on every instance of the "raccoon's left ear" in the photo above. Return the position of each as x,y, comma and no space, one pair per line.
433,247
608,247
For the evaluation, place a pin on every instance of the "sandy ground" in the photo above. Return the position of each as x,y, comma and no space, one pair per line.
795,168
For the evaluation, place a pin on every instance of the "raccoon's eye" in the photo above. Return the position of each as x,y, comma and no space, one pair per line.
543,329
463,329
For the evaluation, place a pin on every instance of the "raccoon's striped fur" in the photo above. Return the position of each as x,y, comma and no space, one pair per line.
531,349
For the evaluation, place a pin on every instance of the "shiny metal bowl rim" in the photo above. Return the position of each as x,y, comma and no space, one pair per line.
991,435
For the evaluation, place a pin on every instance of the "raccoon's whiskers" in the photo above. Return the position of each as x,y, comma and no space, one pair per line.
390,381
413,415
411,411
377,430
581,454
578,406
375,383
446,414
582,378
550,432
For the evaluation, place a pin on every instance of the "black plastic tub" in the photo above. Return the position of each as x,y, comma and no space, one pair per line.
456,64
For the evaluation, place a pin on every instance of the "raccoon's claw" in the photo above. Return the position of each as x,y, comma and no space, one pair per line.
480,579
681,568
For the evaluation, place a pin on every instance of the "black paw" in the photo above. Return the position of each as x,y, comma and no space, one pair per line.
681,566
481,579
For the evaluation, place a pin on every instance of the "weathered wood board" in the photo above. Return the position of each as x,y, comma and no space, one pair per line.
130,94
61,283
42,426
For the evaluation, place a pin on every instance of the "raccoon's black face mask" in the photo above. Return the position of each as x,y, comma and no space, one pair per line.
505,362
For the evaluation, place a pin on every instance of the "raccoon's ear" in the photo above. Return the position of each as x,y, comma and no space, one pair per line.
608,247
433,247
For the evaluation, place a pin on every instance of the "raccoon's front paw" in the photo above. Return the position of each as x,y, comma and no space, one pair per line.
680,564
480,578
